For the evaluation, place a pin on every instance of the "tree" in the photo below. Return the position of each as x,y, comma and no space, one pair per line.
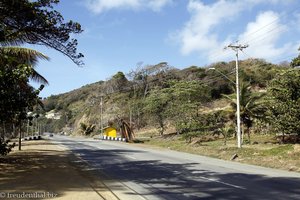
186,98
226,131
32,22
12,57
118,81
16,68
250,106
296,61
36,22
156,104
284,102
150,76
143,80
17,97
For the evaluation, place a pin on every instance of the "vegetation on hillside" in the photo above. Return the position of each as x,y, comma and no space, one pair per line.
193,102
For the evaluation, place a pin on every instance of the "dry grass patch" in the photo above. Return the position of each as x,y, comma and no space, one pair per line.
266,152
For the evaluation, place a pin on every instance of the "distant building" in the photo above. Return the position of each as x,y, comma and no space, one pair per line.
53,115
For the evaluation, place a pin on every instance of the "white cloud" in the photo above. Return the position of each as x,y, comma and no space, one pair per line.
296,22
196,34
263,34
199,33
283,2
99,6
156,5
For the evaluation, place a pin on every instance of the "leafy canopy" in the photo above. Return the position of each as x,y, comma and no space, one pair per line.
284,104
36,22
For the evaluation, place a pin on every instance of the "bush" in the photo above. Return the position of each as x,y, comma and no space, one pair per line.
5,148
87,129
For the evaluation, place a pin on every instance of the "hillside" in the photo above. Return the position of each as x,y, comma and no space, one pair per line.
160,97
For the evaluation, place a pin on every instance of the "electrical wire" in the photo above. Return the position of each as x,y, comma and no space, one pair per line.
250,35
260,37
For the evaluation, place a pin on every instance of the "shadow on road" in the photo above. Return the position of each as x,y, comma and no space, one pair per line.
54,170
186,181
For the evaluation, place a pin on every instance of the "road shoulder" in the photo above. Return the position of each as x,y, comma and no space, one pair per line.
48,170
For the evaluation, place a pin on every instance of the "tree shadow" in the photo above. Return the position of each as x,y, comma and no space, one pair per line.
186,181
43,171
61,172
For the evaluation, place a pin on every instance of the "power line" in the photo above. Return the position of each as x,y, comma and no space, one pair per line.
284,58
290,12
264,35
212,80
252,33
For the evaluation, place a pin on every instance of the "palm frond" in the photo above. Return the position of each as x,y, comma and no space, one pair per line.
27,55
35,76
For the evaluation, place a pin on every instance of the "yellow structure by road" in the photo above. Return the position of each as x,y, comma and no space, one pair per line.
110,132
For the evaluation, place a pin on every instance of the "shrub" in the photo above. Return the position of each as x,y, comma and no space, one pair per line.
5,148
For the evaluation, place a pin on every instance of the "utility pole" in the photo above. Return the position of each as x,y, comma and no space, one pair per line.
130,117
237,48
27,130
101,114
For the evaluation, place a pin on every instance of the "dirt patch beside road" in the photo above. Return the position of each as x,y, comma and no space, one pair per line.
46,170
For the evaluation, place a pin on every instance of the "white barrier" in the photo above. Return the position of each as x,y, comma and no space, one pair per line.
113,138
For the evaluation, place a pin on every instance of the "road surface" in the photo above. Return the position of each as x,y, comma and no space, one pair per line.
137,172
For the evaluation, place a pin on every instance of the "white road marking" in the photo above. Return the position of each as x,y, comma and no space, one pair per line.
214,180
201,177
131,157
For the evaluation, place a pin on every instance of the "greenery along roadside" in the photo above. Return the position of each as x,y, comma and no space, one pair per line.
31,22
265,152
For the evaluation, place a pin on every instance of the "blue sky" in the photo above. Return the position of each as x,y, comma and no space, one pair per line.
118,34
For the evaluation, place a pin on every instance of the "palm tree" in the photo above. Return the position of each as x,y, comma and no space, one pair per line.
17,66
14,56
250,107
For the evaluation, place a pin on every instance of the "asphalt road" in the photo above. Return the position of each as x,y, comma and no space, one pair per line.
137,172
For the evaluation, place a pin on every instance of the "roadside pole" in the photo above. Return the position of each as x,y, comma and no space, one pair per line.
236,48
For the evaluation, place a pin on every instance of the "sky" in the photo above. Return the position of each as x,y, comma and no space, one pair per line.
120,35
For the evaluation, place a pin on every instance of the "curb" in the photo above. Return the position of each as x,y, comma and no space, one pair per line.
38,137
113,138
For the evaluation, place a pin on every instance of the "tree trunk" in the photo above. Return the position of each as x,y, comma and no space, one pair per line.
14,130
138,119
243,132
20,136
4,131
27,128
145,91
161,124
248,133
225,138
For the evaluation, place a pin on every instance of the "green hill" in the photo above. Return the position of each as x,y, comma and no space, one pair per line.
162,98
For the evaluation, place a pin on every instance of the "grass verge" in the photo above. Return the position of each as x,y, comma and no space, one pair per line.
265,152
